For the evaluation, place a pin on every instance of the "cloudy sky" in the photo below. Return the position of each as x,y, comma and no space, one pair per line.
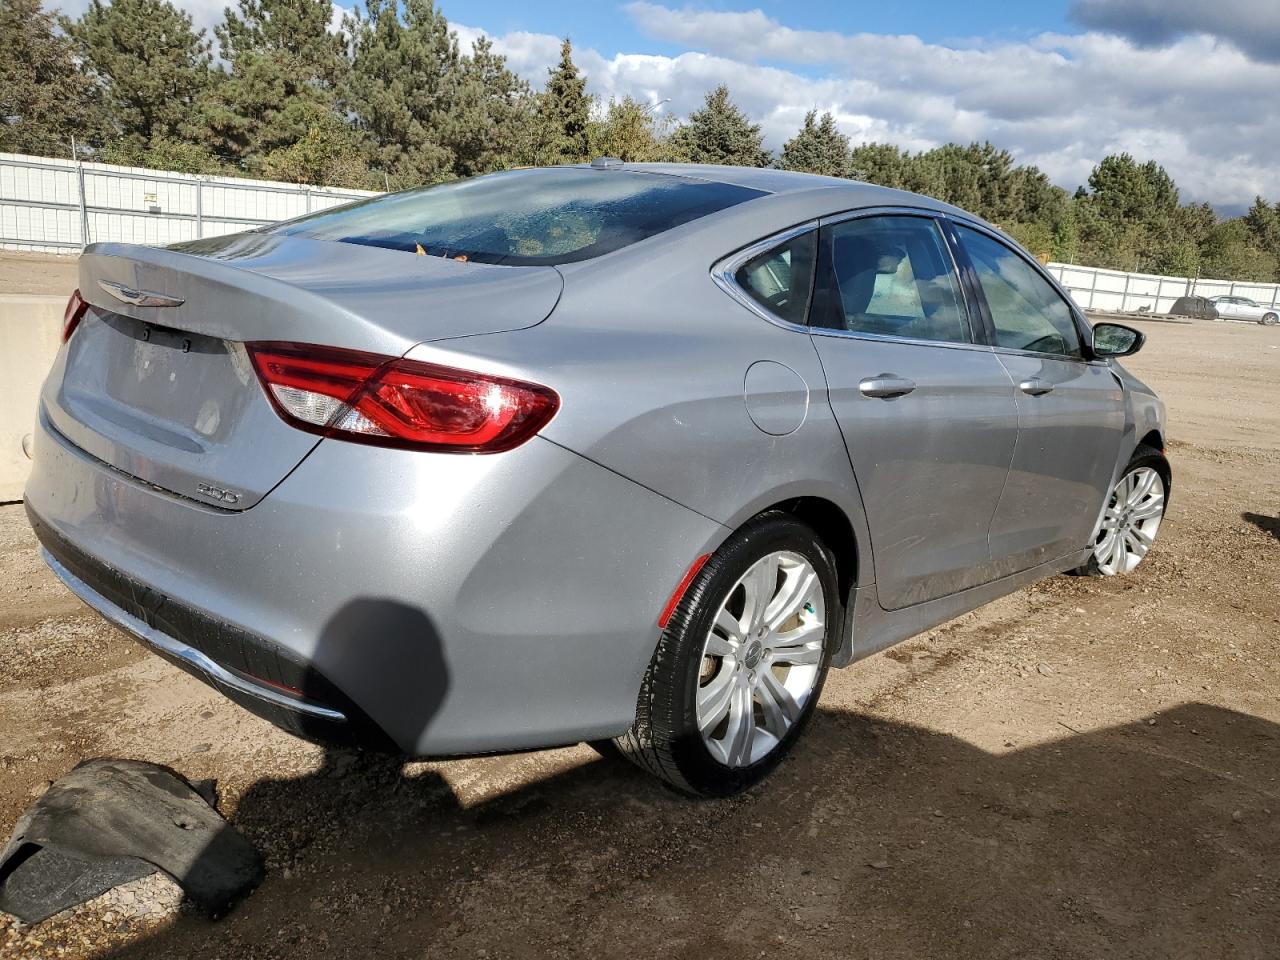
1194,84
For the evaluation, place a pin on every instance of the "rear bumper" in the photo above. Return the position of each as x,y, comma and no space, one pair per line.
439,604
250,670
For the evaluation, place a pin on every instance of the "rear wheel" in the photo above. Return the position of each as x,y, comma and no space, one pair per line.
738,670
1132,516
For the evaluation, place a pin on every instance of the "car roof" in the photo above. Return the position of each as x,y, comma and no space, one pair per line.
845,194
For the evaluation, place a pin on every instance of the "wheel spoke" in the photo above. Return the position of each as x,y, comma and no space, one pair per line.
742,726
1142,537
794,593
1152,507
715,698
799,647
1118,553
1133,546
729,625
780,707
1142,484
718,646
759,584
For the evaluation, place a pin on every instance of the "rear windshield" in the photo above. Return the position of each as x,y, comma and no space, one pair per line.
529,217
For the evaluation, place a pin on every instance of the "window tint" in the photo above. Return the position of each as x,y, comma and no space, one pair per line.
524,216
1027,312
890,276
779,279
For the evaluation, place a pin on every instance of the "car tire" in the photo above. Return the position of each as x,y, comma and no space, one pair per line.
1129,522
1270,319
697,659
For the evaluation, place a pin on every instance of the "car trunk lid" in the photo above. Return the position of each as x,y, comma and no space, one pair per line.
156,381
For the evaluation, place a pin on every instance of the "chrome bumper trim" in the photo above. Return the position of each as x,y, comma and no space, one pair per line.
175,648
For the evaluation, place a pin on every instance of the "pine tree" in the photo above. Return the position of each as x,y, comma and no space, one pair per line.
492,121
283,67
879,163
719,132
402,88
151,65
564,111
819,147
630,131
45,97
1263,221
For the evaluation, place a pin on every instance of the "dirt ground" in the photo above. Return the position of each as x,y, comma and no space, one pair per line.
37,273
1085,769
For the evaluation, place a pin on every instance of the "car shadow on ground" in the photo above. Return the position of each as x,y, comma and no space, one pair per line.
1158,838
1264,523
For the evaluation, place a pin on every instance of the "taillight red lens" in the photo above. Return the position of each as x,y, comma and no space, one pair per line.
400,403
76,309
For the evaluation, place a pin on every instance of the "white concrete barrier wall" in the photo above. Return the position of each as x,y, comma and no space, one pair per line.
54,205
1096,289
30,332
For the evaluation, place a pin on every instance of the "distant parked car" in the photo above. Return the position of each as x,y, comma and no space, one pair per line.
1202,308
1242,308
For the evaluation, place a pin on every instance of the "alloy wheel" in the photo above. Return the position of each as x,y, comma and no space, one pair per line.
761,659
1130,521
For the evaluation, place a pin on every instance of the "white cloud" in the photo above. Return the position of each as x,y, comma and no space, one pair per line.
205,14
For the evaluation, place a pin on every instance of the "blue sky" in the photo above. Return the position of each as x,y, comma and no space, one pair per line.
606,27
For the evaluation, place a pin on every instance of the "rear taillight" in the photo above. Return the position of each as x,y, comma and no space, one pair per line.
76,309
399,403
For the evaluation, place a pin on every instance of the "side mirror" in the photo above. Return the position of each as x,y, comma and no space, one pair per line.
1116,340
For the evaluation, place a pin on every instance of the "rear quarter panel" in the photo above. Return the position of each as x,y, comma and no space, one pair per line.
650,357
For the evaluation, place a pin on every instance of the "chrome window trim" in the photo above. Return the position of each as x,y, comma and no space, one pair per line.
890,338
1014,352
723,273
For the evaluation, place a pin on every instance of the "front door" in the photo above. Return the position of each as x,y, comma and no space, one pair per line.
1070,411
928,415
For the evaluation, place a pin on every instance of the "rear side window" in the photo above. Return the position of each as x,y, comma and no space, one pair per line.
1027,312
890,276
530,217
780,279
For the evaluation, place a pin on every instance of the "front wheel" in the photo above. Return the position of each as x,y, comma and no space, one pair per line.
739,668
1270,319
1132,516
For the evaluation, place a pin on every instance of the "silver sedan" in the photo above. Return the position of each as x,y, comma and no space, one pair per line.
616,452
1242,308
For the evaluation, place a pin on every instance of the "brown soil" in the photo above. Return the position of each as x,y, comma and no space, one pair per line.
49,273
1087,768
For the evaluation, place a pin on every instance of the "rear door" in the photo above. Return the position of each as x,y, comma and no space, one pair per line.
1070,409
1227,307
927,414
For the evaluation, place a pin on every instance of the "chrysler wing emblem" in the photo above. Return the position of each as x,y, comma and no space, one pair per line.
139,298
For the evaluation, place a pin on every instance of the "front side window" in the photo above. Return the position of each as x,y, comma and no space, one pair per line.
890,276
528,217
780,279
1028,314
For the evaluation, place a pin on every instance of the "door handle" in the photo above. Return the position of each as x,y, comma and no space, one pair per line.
886,386
1036,387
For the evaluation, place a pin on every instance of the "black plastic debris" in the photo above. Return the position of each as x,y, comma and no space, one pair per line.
111,821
